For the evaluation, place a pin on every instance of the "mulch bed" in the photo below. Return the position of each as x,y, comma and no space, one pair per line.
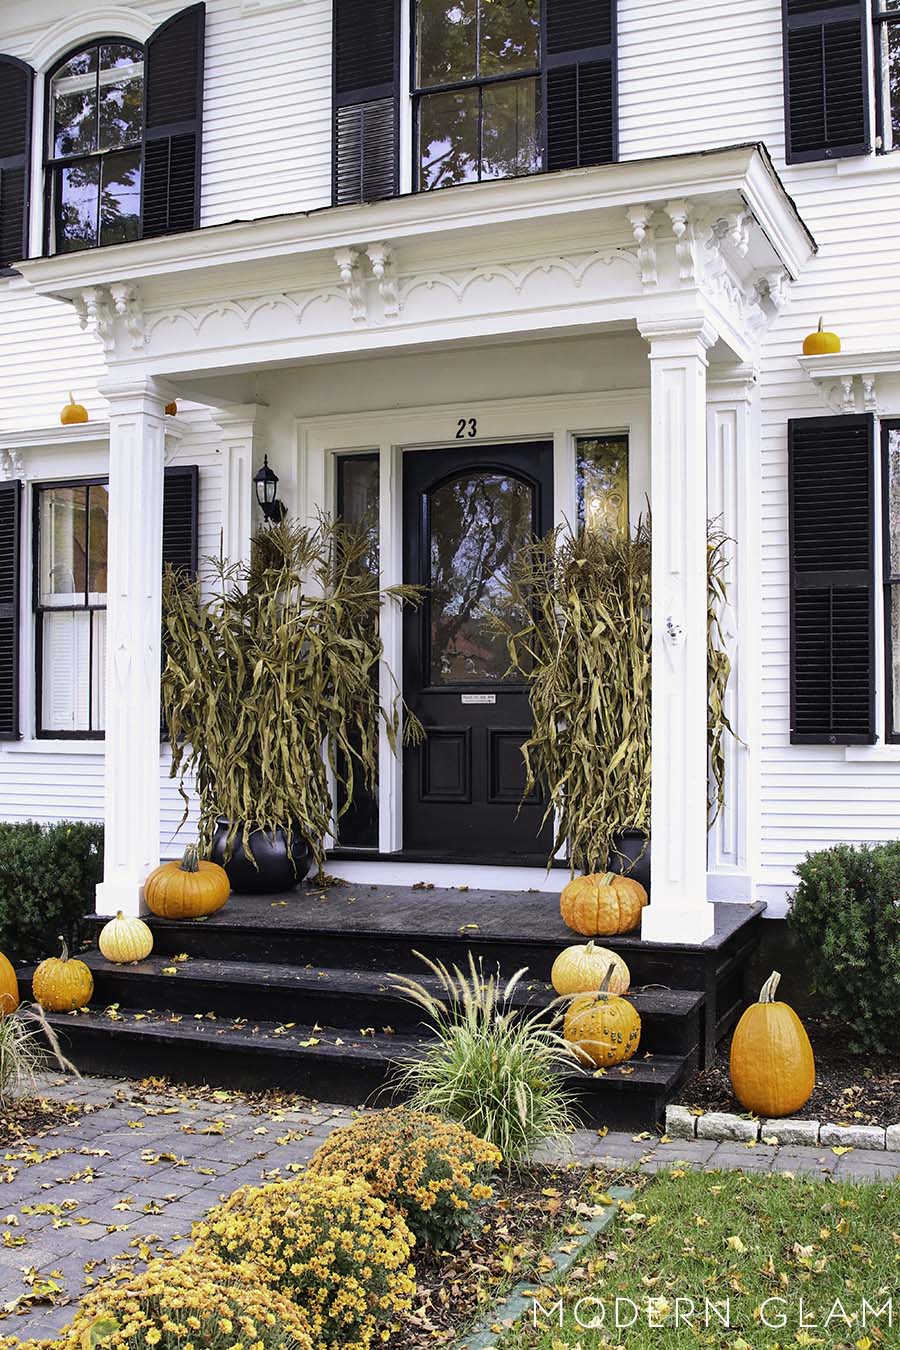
527,1214
850,1089
33,1115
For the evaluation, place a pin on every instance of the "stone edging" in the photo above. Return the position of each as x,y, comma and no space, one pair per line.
681,1124
515,1304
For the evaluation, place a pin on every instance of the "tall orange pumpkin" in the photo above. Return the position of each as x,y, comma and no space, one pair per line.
189,889
773,1071
602,903
9,987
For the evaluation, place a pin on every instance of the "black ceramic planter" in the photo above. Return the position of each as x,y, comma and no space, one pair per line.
277,868
629,844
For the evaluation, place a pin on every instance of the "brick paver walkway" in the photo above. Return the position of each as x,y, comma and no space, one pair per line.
127,1180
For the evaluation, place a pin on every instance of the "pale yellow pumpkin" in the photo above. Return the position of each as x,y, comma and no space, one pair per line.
604,1028
125,940
73,412
773,1071
580,970
9,987
602,904
189,889
61,985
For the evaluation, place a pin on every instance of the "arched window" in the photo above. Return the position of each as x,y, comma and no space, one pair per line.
94,153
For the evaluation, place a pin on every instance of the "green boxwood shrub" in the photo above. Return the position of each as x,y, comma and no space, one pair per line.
47,878
846,912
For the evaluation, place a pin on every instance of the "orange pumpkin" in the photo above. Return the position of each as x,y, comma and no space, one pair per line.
604,1028
821,342
61,985
602,903
9,987
773,1071
580,970
189,889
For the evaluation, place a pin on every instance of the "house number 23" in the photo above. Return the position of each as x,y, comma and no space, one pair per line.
466,426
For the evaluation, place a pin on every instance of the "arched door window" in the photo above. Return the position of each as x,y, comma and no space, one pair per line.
95,133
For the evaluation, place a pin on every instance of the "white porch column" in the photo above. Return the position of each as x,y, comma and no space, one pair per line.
239,425
678,911
133,637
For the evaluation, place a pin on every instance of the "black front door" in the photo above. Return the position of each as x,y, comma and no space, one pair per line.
466,512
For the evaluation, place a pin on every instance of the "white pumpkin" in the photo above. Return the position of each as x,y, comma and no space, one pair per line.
580,970
125,940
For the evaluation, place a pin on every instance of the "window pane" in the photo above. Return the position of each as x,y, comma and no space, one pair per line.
79,188
510,36
63,545
446,36
448,138
477,524
892,74
65,665
511,144
121,95
98,507
120,201
602,478
74,95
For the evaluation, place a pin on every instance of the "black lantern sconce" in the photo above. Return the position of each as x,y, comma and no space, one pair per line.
266,481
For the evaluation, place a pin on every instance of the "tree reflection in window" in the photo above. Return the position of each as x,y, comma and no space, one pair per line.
477,524
95,134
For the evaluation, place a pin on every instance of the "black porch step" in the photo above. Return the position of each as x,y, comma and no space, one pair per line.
330,1064
341,997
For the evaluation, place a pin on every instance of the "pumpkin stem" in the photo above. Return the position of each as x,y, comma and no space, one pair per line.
71,399
191,859
589,948
65,949
119,914
767,993
821,322
607,878
603,991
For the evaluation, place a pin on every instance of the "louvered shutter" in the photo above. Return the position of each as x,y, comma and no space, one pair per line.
831,487
10,508
16,80
366,100
173,117
180,506
580,94
826,79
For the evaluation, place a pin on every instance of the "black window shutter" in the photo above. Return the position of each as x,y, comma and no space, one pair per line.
16,81
580,83
826,81
173,117
181,498
366,79
10,508
832,552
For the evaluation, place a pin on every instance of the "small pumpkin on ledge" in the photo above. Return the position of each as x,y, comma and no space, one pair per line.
190,889
821,342
73,412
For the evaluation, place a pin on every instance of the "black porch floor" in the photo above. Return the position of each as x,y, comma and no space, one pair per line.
296,991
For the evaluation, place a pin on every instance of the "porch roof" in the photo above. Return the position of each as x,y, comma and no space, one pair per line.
497,257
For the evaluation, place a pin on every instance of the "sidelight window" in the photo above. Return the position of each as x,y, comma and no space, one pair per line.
887,55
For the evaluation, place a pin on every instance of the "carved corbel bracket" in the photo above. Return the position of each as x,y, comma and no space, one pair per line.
384,270
11,465
350,273
775,287
127,304
679,212
103,310
644,236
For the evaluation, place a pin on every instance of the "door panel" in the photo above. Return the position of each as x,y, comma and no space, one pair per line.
466,513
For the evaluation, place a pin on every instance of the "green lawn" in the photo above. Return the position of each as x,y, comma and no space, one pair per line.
694,1250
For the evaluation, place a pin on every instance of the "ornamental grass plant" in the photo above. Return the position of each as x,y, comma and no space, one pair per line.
327,1243
493,1066
268,688
191,1302
434,1172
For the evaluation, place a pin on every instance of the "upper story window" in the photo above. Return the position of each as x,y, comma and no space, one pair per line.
887,55
95,151
478,68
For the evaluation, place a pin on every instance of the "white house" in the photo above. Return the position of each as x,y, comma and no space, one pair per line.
566,249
